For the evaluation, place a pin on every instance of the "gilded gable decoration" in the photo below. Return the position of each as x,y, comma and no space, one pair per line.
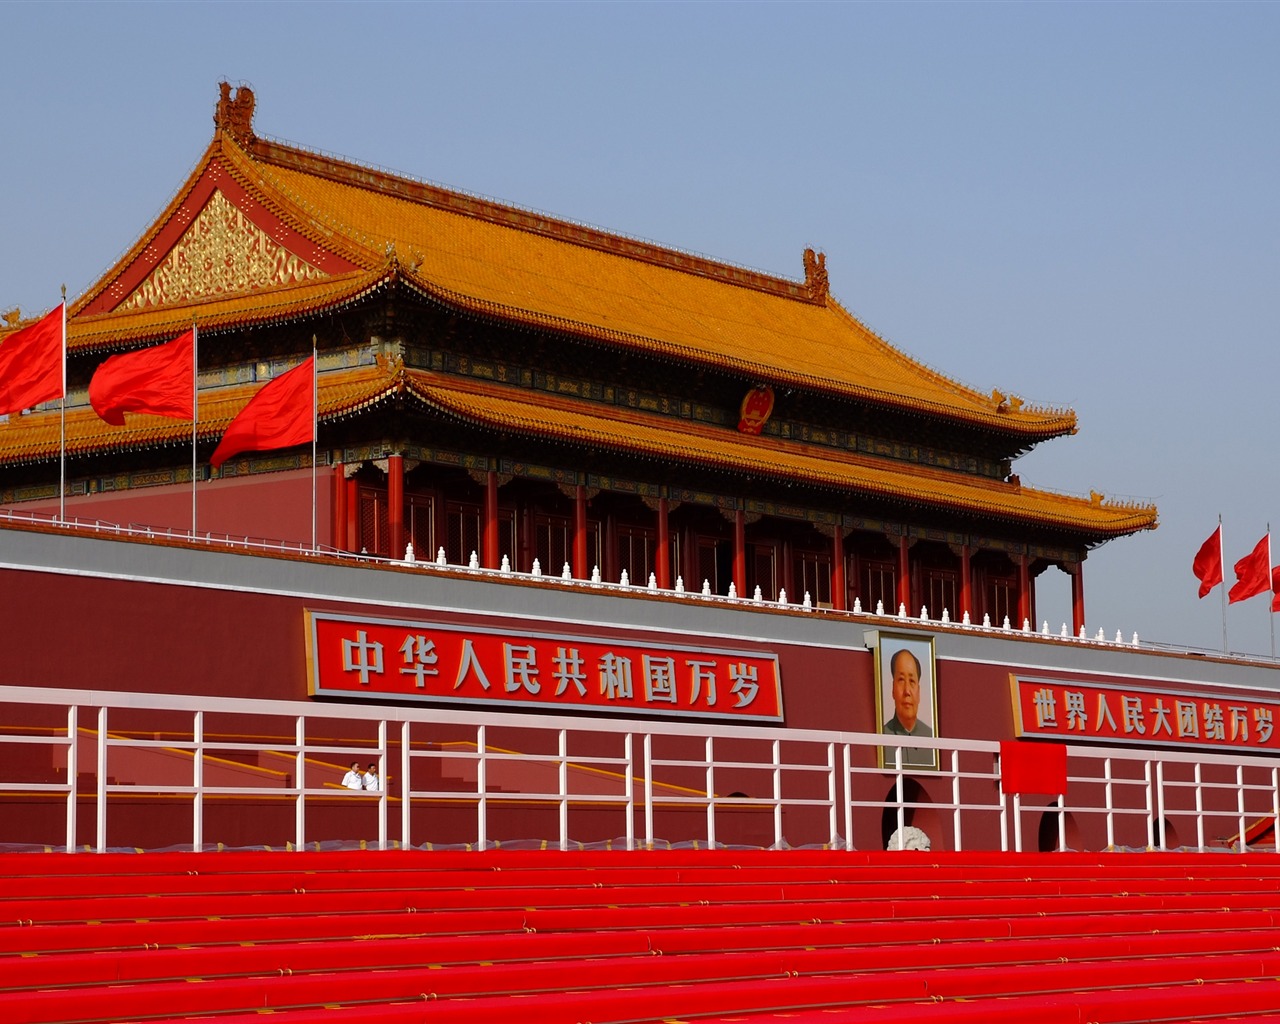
222,253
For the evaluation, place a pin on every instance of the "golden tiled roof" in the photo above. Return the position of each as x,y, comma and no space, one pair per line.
524,267
35,437
693,444
647,302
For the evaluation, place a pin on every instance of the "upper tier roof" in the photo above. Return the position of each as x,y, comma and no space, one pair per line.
309,231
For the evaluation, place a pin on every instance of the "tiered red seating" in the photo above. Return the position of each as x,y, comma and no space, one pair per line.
652,935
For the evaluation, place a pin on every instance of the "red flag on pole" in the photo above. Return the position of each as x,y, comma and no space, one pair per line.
281,415
1207,564
31,364
1275,589
1253,572
156,380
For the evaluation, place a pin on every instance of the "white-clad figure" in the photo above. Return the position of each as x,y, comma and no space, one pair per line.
352,779
371,780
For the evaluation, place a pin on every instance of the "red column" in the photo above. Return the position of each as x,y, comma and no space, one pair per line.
525,541
338,519
904,577
740,552
1024,591
662,558
492,557
395,504
1077,598
580,568
839,588
966,581
353,515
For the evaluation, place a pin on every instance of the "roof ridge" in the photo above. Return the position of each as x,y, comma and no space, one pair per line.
412,189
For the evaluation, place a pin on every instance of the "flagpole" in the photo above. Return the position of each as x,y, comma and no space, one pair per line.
195,416
1270,595
315,433
62,418
1223,588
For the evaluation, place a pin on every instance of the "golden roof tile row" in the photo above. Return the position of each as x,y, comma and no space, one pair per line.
35,437
692,444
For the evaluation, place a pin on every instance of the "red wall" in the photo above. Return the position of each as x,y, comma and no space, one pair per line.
272,506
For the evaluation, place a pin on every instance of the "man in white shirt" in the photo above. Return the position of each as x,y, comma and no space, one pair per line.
371,781
352,779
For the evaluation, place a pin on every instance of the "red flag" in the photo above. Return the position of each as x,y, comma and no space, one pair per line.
31,364
1275,589
1207,565
156,380
281,415
1253,572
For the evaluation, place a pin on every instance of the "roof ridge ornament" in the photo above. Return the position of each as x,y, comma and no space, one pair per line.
234,114
816,282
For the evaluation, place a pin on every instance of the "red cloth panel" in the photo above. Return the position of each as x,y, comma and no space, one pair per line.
1033,767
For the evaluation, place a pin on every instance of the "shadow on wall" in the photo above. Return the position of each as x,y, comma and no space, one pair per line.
1047,834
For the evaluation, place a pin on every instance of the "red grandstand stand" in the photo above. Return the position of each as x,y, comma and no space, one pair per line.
608,936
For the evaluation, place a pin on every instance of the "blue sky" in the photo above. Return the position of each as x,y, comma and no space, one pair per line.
1077,203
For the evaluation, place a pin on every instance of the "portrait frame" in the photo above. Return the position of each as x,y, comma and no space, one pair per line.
886,649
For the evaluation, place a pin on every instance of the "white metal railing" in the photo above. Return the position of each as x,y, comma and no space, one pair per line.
650,782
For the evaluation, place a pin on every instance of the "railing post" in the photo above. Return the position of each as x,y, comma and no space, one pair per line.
1160,805
957,844
1200,810
300,781
73,772
777,794
405,788
563,774
197,783
1004,805
1017,822
1240,805
711,794
900,785
648,791
628,753
383,803
1275,808
101,832
1111,810
832,819
846,760
1151,805
482,786
1062,822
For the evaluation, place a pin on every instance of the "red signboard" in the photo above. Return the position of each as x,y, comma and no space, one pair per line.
389,659
1075,712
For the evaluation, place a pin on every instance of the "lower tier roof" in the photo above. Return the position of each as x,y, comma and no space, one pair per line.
851,476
